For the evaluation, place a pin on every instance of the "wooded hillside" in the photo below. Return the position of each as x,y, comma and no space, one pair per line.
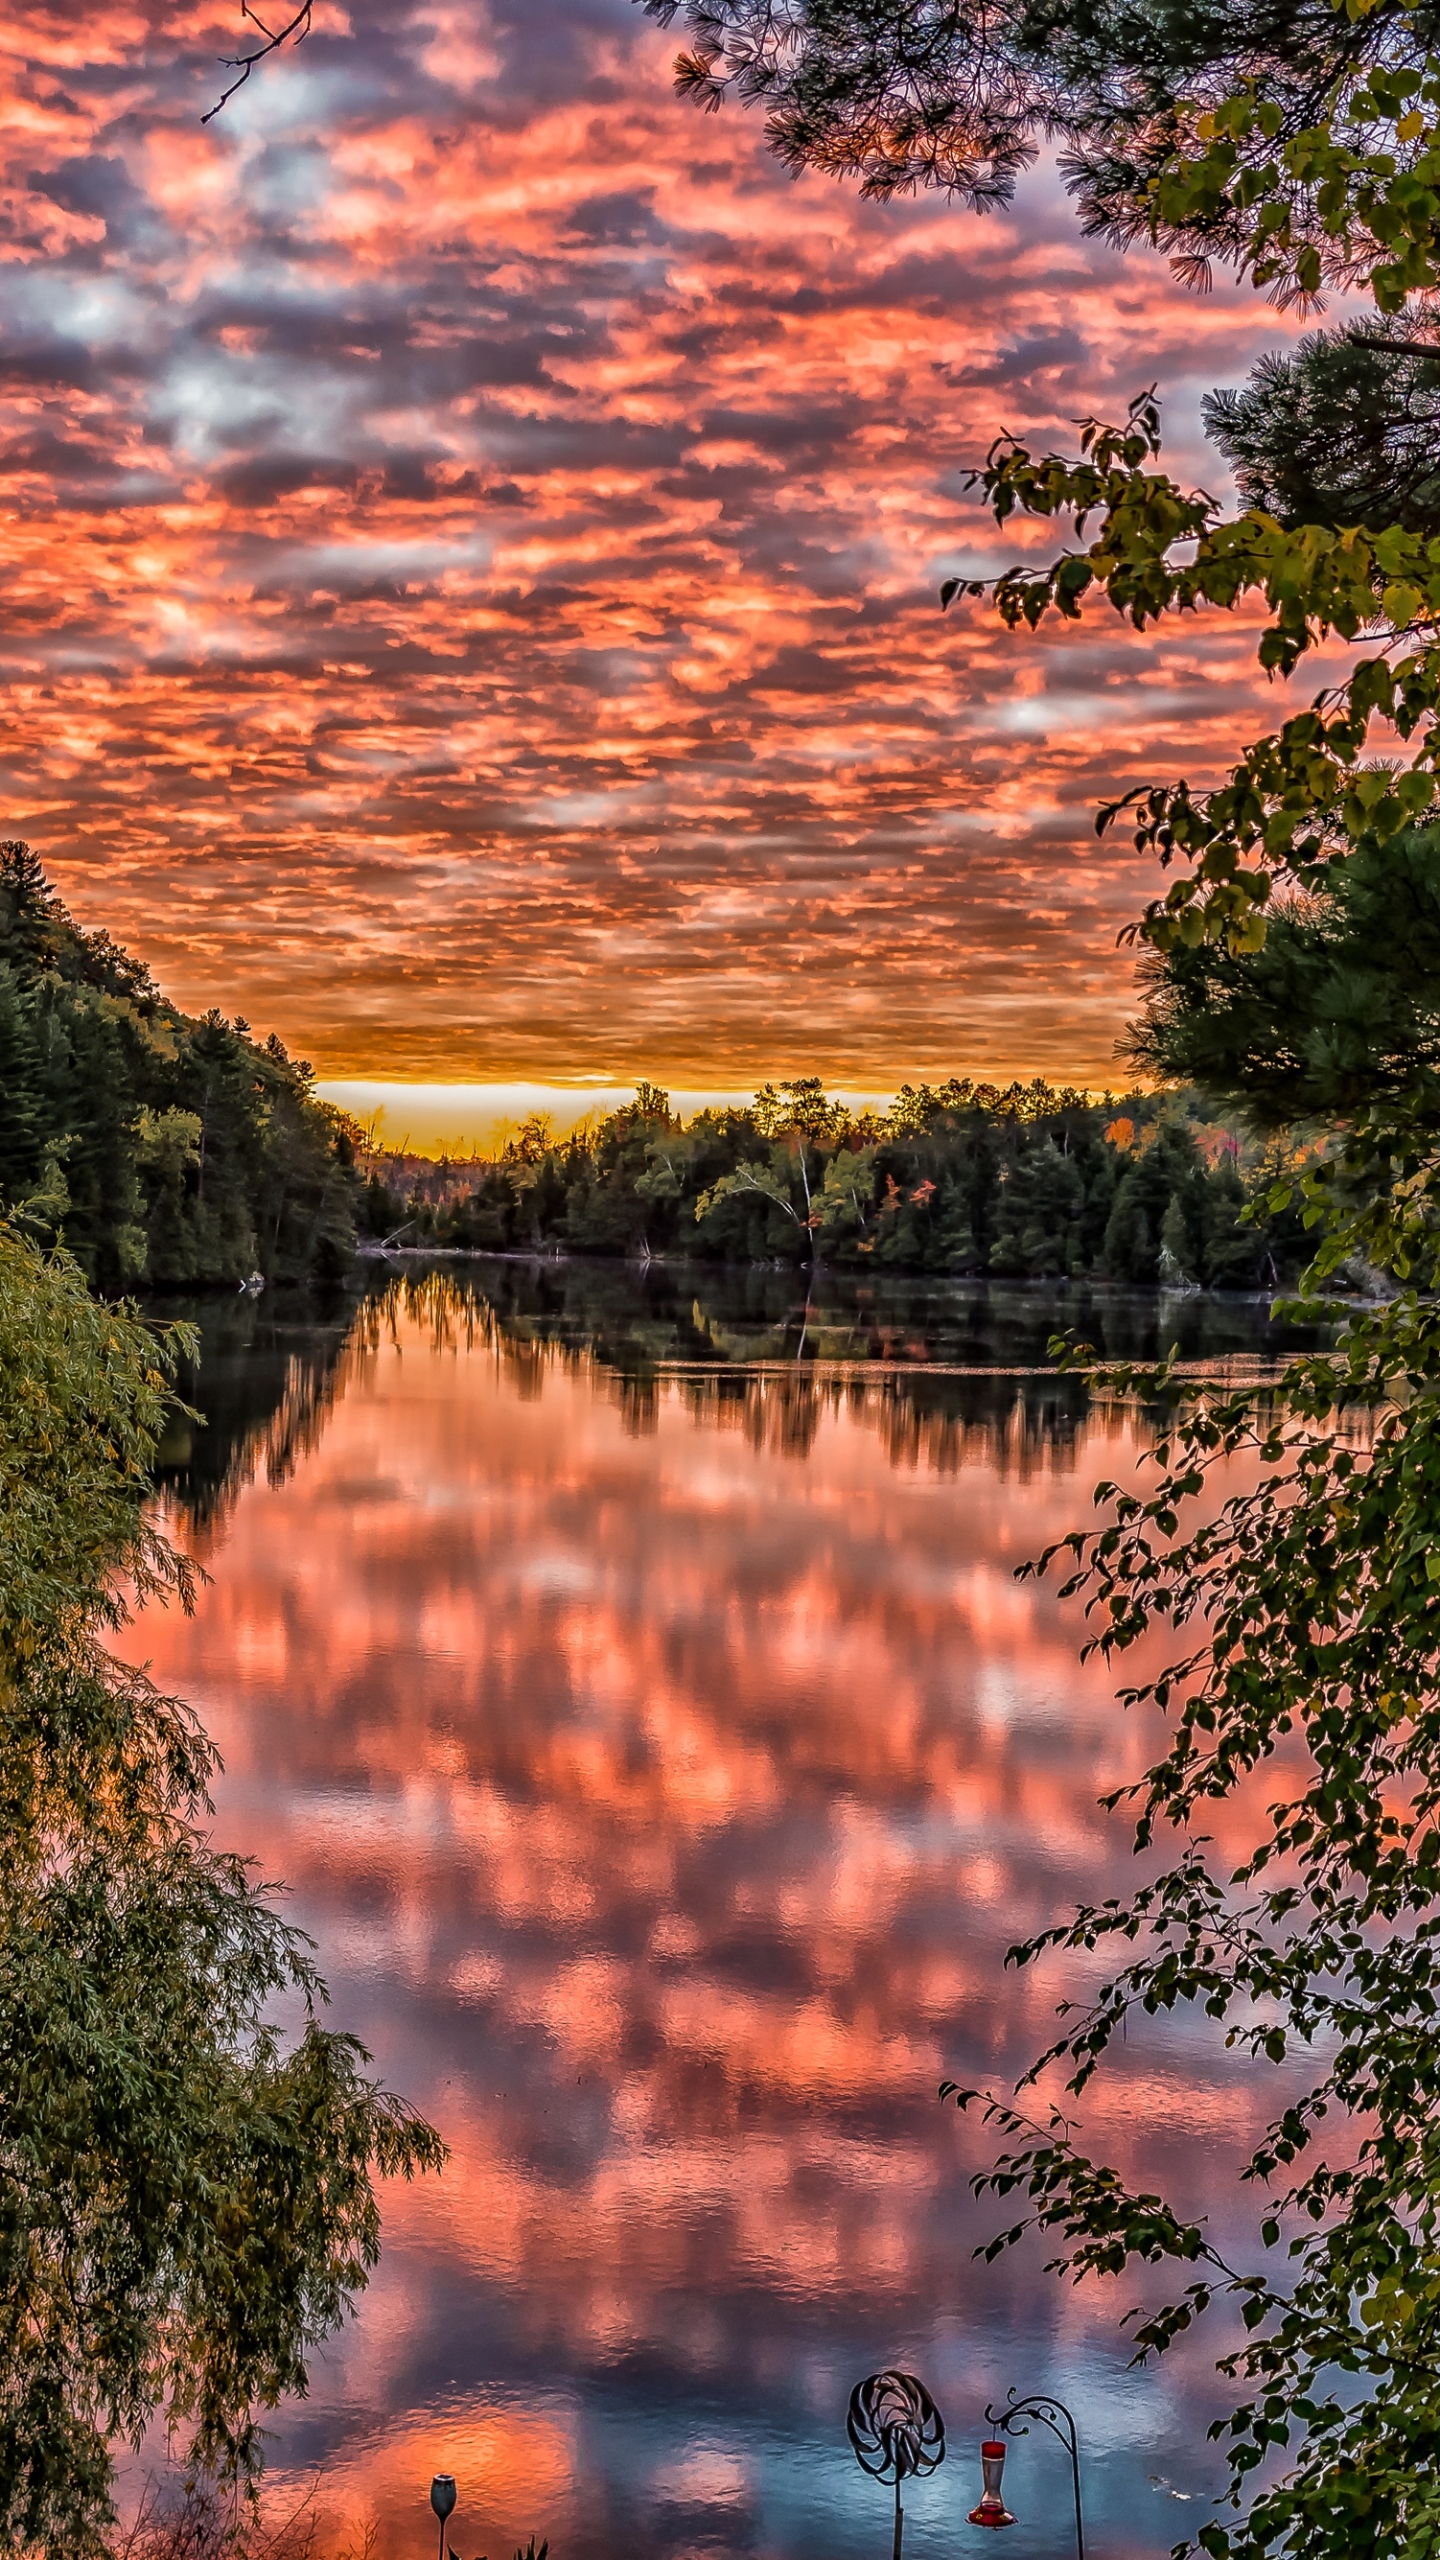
179,1153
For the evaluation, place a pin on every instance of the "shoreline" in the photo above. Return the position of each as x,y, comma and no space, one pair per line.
558,1258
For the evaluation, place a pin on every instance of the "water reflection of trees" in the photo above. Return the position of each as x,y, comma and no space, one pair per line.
955,1377
270,1372
945,1377
938,1423
664,1314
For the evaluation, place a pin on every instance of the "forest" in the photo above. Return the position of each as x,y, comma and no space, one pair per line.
1031,1181
168,1152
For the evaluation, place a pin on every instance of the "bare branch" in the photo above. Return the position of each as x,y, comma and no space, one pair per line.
242,64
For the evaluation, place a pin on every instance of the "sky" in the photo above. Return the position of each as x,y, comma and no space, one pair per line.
435,1117
473,528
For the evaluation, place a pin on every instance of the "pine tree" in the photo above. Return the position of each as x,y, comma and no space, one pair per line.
22,1113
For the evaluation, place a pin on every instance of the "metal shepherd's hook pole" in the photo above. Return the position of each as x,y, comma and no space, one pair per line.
1051,2413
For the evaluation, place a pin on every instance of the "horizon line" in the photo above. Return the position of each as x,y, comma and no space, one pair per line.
425,1116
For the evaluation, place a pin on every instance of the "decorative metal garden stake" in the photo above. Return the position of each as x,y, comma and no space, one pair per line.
1052,2413
442,2499
992,2508
897,2432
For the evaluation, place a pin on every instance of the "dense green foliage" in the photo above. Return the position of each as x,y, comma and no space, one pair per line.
1338,1010
1032,1182
189,1153
186,2194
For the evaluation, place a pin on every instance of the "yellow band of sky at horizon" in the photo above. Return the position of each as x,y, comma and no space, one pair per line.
456,1119
464,1119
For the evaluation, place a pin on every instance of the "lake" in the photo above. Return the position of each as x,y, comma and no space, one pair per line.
627,1674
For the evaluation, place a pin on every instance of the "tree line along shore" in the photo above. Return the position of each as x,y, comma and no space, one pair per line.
176,1153
1031,1181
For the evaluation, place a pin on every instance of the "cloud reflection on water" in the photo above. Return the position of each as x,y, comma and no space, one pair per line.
663,1800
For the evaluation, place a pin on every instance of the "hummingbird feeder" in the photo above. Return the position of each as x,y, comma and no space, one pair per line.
992,2509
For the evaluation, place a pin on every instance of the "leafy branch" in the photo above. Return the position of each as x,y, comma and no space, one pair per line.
1350,197
1300,795
1312,1605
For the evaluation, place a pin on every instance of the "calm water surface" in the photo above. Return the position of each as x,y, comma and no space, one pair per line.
629,1678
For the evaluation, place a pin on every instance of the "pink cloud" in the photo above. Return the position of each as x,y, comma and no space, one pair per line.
472,533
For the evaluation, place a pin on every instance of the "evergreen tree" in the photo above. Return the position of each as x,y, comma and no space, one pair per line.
22,1104
191,1153
1342,431
1339,1010
1038,1213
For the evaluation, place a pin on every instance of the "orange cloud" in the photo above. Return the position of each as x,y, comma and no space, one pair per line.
472,532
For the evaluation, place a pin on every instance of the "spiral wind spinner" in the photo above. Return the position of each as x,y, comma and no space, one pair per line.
897,2433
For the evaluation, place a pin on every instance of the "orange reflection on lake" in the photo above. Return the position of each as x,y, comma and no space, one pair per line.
663,1773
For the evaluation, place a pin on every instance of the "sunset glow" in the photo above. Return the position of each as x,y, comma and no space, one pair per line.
472,535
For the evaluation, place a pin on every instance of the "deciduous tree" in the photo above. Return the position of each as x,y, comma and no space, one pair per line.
187,2193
